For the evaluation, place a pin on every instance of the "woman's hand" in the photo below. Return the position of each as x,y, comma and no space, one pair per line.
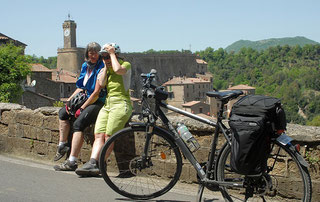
110,49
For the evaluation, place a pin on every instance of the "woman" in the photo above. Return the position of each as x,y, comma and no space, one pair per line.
116,75
87,113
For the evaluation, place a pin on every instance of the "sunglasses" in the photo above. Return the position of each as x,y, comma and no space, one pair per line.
105,56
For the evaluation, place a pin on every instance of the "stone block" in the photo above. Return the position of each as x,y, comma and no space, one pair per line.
43,135
28,117
3,143
19,145
4,129
51,122
29,132
8,117
184,177
84,155
55,137
40,148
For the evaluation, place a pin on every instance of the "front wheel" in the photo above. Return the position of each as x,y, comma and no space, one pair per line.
134,173
286,179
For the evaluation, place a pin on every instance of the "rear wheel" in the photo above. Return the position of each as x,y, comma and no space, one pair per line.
131,174
285,180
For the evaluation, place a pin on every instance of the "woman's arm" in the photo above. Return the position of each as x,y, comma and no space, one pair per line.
117,68
93,97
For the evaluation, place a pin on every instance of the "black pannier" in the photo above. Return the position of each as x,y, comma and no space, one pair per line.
253,121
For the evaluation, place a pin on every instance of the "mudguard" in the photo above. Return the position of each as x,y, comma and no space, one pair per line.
285,140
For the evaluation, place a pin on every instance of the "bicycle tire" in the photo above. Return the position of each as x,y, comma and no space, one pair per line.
286,186
125,178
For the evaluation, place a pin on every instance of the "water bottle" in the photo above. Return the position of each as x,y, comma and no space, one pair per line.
187,137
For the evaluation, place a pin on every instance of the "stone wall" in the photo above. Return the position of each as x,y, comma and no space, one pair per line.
167,66
35,134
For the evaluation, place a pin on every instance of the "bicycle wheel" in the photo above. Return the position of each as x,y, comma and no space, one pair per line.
285,179
125,171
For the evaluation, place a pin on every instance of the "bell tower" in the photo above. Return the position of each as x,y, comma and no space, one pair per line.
69,33
70,57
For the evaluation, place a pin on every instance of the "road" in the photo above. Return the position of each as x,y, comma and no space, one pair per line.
25,180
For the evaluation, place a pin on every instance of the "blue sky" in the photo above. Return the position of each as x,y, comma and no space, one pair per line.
140,25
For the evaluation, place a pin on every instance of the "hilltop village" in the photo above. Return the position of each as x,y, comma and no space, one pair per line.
184,75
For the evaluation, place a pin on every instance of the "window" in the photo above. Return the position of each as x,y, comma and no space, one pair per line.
170,95
69,89
200,110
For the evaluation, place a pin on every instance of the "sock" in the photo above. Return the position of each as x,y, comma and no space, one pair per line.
62,143
73,158
93,161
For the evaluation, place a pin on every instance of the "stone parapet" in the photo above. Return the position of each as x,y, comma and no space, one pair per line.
35,134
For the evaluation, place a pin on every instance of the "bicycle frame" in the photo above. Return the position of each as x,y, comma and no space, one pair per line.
219,126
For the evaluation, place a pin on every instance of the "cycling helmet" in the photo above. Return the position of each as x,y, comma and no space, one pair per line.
76,102
116,47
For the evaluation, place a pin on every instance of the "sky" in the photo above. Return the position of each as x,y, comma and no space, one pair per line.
141,25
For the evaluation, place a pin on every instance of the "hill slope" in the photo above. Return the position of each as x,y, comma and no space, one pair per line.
264,44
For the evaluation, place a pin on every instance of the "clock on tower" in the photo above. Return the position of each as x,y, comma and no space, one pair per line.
69,32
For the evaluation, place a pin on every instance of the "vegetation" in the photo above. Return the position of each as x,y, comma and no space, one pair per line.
14,67
58,104
51,62
264,44
289,73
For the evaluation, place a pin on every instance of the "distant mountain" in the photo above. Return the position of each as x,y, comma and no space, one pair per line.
264,44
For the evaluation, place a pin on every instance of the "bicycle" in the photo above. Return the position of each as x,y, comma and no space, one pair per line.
147,160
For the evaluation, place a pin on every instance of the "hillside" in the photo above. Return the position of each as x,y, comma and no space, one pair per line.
286,72
264,44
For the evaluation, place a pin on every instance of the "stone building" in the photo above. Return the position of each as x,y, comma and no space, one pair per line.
5,40
70,57
197,107
215,105
184,89
45,86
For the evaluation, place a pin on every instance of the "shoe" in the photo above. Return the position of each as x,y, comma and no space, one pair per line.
89,169
66,166
61,151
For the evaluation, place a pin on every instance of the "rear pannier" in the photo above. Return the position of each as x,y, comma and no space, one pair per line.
254,119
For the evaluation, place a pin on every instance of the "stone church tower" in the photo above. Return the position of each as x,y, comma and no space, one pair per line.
70,57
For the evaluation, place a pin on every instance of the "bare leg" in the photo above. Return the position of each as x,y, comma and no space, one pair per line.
77,141
109,150
97,145
64,128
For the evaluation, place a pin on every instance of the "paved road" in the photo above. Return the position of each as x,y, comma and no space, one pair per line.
23,180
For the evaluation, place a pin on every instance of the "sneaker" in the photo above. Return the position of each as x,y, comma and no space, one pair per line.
61,151
89,169
66,166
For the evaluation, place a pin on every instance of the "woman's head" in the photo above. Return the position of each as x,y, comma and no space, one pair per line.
104,52
92,52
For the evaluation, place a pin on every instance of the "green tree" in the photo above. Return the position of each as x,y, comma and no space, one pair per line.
14,67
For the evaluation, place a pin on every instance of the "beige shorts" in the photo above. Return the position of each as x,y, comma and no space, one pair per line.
113,116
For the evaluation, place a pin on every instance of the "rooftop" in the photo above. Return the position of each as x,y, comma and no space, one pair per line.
200,61
191,103
241,87
39,68
185,80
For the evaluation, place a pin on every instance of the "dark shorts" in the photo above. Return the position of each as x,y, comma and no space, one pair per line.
87,117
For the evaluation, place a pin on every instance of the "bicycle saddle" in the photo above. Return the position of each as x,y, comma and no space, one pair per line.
225,95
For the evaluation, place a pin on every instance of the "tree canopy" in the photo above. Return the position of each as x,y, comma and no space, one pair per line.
14,67
289,73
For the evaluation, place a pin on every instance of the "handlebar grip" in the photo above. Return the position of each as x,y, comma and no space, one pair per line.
143,75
